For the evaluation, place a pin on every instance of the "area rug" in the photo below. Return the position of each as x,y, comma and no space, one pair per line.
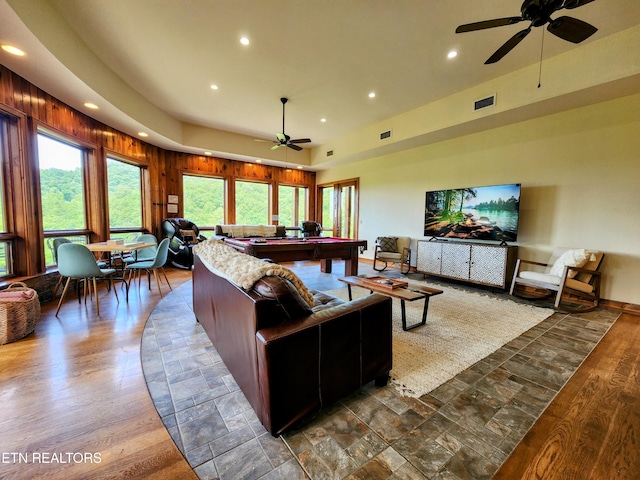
462,328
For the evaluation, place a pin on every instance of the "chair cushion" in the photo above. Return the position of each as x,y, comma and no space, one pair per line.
388,244
389,256
570,258
541,277
580,286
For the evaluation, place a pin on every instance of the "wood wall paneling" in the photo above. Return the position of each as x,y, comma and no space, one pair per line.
164,168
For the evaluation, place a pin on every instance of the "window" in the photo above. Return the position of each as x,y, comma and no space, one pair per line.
252,203
125,195
61,188
203,200
325,200
292,205
6,261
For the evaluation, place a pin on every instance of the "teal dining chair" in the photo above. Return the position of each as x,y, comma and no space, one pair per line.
56,244
76,262
148,253
157,263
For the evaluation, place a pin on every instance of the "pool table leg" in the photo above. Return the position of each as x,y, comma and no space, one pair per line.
325,265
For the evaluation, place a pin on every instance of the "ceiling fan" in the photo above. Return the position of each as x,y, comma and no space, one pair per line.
283,139
538,12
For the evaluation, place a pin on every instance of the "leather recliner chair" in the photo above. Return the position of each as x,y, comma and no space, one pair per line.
183,235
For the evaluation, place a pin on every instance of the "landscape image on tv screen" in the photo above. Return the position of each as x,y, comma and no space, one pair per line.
479,213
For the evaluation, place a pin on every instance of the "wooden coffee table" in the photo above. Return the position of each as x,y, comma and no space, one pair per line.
397,289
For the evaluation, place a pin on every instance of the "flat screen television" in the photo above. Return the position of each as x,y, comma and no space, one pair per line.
478,213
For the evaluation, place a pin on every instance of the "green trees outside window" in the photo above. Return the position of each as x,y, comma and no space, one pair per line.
203,199
252,203
125,194
292,205
61,185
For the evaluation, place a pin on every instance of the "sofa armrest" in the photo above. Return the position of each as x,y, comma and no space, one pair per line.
318,359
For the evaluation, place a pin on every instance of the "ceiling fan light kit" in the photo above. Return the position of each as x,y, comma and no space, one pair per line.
538,12
283,140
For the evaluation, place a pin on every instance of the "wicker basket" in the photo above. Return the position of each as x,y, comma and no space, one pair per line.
18,318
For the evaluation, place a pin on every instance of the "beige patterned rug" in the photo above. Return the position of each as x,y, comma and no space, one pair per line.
462,328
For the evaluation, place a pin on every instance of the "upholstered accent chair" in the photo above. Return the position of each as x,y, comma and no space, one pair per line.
572,275
392,250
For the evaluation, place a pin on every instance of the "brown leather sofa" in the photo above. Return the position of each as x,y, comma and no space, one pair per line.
290,359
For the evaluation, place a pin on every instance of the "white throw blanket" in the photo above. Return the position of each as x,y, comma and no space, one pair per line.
245,270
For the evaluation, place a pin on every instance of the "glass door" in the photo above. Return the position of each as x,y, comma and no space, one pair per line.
338,208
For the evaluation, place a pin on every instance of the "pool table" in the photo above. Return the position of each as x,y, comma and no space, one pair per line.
309,248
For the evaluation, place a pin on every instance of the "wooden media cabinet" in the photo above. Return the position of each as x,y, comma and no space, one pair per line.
480,263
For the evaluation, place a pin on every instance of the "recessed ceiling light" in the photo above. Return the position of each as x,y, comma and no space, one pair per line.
323,120
13,50
244,41
90,105
214,87
258,160
208,153
452,54
372,95
299,167
143,134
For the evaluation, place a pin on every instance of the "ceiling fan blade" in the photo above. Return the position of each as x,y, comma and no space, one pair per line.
571,29
508,46
300,140
575,3
498,22
282,138
277,146
294,147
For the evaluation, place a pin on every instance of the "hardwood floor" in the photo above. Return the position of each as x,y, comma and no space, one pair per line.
73,401
591,430
74,404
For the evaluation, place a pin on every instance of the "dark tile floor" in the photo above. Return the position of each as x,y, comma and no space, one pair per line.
462,430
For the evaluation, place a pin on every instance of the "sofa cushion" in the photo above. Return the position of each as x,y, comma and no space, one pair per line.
324,301
243,231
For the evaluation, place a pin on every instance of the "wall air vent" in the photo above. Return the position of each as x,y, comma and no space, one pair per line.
484,103
385,135
329,153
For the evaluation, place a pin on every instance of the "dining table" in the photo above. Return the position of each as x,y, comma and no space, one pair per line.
116,251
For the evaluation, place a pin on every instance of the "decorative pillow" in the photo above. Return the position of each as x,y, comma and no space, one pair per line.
388,244
570,258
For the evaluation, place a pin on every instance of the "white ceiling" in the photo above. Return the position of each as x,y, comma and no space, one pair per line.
324,55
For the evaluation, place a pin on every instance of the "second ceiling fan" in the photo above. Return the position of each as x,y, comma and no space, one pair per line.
283,140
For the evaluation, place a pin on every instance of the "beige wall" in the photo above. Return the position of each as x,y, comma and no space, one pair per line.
580,176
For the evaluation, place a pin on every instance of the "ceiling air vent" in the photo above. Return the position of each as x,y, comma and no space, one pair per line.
329,153
484,103
385,135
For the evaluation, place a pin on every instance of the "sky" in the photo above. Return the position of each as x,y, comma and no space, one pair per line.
55,154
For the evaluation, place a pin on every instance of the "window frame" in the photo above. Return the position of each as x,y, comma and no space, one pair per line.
270,201
9,143
144,196
297,207
90,198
